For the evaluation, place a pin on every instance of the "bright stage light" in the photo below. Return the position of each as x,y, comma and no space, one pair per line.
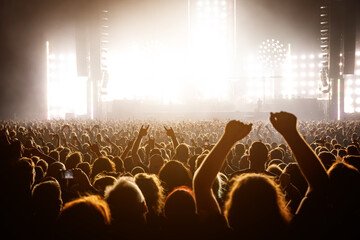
156,72
66,93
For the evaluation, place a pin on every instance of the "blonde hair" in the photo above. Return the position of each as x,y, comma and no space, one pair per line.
256,203
150,186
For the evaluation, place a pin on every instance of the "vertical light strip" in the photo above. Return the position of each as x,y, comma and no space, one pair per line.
47,80
189,22
91,100
338,100
234,23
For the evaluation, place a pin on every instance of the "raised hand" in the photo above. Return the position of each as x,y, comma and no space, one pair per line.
130,143
143,131
94,147
169,131
283,122
236,130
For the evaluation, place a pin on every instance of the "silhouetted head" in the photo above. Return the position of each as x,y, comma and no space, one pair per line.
102,181
352,150
327,159
344,190
102,164
179,207
72,160
46,198
256,206
155,163
54,170
182,153
276,154
84,218
258,154
174,174
127,203
239,149
152,190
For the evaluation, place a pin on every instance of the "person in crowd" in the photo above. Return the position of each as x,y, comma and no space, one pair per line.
199,179
87,217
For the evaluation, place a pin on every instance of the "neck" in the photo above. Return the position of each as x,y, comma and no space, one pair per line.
257,167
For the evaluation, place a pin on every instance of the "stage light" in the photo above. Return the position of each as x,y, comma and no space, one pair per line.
357,91
357,72
357,53
52,66
303,57
349,82
311,65
357,100
349,100
272,54
311,56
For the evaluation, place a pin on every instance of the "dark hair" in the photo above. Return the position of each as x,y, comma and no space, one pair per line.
174,174
101,164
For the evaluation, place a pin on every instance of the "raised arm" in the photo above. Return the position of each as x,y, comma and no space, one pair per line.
135,148
115,149
204,178
170,132
127,149
310,165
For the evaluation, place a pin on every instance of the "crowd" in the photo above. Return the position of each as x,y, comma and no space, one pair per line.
278,179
